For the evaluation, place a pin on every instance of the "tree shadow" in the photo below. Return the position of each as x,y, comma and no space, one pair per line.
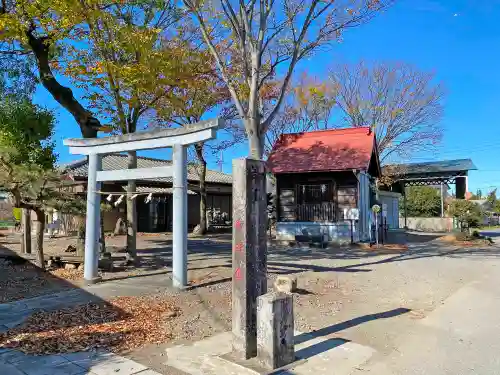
319,347
349,323
23,323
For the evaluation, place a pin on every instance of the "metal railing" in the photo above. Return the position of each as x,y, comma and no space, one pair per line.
316,211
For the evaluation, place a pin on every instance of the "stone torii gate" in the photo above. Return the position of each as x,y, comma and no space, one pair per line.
178,139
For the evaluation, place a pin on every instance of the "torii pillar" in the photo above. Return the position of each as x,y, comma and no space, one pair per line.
178,139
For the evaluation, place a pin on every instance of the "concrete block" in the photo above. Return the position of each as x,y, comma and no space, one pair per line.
275,330
285,284
70,266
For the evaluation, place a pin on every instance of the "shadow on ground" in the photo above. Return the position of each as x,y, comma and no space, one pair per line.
289,260
27,293
325,345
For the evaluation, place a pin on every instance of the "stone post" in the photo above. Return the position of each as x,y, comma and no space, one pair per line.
249,252
92,225
275,330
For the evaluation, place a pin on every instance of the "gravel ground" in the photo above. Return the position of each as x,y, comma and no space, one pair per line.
355,294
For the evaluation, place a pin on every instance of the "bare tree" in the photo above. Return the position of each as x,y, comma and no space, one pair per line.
402,105
251,40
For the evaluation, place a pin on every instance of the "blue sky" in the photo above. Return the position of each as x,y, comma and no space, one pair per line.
459,40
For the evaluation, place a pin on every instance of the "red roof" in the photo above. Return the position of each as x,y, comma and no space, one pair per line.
326,150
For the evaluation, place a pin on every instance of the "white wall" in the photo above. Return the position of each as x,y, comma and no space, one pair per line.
390,201
428,224
336,232
364,206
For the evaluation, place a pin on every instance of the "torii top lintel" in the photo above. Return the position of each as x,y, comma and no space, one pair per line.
156,138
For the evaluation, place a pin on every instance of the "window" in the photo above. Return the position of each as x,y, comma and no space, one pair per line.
314,193
315,202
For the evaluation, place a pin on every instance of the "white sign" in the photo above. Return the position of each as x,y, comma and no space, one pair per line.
54,225
351,213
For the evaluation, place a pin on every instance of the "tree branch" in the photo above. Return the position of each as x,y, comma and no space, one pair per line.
218,59
89,125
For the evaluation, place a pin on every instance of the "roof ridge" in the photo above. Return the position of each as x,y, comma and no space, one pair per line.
138,157
83,161
429,162
74,163
336,130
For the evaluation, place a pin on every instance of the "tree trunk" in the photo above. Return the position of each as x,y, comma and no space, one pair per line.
203,188
255,140
131,210
39,228
26,237
80,240
102,238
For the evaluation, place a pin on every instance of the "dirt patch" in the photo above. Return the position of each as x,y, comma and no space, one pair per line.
68,274
461,239
122,323
448,238
24,280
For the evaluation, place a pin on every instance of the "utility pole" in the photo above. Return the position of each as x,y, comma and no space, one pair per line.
442,201
221,162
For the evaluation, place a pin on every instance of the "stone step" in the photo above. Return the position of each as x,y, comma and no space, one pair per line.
315,355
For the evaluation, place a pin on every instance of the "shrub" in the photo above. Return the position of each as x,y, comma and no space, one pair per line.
468,213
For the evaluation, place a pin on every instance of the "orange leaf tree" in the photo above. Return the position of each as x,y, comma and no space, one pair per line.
126,57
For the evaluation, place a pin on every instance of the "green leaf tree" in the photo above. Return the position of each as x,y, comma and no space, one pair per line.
422,201
27,162
492,198
468,213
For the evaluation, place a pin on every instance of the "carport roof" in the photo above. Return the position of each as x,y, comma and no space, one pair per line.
429,173
444,166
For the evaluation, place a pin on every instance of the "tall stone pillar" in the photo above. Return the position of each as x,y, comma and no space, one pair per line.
249,252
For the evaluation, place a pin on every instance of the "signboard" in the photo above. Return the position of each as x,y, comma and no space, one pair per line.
17,213
351,213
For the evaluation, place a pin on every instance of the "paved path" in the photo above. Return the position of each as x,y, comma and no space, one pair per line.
13,362
459,337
